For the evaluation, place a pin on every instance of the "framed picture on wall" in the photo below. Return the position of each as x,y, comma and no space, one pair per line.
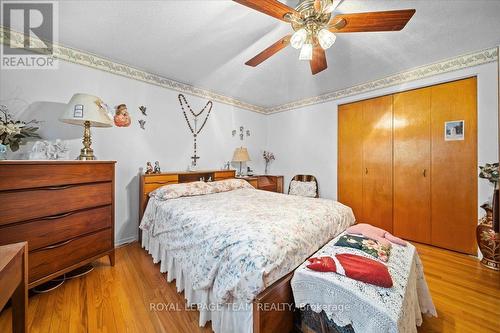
454,130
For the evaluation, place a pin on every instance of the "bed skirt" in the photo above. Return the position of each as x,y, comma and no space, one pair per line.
236,318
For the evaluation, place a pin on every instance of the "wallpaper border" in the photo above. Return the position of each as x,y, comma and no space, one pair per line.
94,61
110,66
437,68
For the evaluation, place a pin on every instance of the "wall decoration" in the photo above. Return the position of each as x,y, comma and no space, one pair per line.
142,108
157,167
48,150
122,117
194,130
142,124
149,168
242,132
454,130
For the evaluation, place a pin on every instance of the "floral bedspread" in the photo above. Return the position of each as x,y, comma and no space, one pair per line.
240,241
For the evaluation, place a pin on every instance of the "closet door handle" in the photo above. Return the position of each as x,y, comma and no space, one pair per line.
366,171
424,173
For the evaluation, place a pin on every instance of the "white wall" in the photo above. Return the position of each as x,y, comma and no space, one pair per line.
305,140
41,94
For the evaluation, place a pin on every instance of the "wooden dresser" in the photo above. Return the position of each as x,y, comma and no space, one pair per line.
266,182
63,209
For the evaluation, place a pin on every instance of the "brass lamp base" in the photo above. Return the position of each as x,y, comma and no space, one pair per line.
86,153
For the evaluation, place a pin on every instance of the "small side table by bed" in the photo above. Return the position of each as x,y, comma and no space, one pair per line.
14,279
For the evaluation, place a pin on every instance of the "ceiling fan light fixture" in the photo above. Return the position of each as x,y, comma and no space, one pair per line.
306,52
328,6
326,38
298,38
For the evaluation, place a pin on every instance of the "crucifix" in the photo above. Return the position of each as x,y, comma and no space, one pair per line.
195,131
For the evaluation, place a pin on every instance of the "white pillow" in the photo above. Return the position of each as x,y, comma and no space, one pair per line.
229,185
174,191
304,189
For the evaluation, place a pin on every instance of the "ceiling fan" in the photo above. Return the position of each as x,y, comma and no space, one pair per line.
315,27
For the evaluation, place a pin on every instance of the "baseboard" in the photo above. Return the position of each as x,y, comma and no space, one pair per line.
125,241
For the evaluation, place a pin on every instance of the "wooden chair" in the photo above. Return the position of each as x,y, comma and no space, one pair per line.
306,178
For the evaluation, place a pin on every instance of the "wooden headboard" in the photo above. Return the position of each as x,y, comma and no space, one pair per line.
153,181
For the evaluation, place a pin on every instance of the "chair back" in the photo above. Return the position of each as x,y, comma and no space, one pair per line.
306,178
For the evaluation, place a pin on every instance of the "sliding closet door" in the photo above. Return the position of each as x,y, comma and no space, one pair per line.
412,165
350,157
377,162
454,166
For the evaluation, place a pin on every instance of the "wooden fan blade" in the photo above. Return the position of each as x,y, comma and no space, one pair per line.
318,62
270,51
394,20
272,8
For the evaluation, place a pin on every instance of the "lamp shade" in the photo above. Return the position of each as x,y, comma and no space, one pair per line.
83,107
241,155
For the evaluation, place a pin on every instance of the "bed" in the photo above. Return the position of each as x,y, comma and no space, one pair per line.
233,252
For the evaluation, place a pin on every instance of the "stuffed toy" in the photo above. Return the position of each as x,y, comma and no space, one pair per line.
377,234
354,267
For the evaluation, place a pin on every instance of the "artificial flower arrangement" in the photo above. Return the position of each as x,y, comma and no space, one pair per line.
14,133
268,157
491,173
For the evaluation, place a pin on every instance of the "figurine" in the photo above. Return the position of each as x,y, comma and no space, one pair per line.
157,167
122,117
149,168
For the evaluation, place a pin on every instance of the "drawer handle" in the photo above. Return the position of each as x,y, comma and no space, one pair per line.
55,246
62,187
54,217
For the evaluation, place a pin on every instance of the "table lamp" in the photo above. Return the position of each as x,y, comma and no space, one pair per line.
241,155
86,110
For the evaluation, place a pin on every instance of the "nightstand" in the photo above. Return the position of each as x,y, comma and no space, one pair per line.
14,282
252,180
266,182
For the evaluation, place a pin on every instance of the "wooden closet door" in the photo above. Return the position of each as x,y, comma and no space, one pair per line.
350,157
412,165
377,162
454,167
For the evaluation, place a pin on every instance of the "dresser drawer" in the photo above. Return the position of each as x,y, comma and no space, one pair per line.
161,179
50,230
22,175
47,202
220,175
45,261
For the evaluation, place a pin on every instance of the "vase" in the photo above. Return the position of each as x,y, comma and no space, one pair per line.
3,152
488,239
266,168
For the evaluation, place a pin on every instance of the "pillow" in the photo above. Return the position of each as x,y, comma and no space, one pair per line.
354,267
229,185
304,189
369,246
174,191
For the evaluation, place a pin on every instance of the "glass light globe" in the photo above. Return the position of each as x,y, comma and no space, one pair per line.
326,38
298,38
306,52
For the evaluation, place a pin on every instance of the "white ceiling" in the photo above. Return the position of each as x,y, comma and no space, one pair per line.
206,43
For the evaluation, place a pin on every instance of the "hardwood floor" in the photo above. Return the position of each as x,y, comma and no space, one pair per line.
466,295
